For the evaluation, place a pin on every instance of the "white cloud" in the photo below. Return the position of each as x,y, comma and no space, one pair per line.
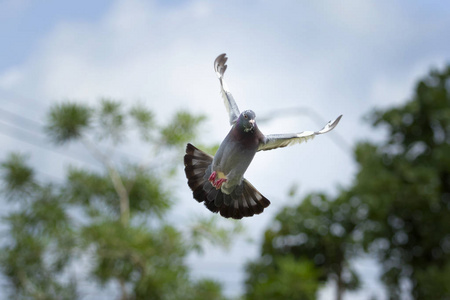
10,78
336,58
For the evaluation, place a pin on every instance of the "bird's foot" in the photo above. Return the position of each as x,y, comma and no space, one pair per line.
212,178
218,183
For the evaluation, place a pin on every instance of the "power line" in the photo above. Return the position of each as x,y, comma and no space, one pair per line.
26,119
36,124
32,141
34,138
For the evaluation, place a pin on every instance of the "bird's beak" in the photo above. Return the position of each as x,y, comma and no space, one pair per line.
252,125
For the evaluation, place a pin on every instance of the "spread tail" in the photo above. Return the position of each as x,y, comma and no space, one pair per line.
244,201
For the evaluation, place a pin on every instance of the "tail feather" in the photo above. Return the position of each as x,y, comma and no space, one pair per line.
199,194
236,213
243,206
218,202
212,195
256,207
250,203
244,201
195,181
227,199
226,211
211,206
194,170
256,195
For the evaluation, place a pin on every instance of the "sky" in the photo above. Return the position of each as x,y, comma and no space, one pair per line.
317,58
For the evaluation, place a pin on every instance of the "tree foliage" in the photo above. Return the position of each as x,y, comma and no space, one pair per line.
113,218
320,235
405,183
397,208
284,278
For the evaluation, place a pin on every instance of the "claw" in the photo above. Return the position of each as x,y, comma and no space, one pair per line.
218,183
212,178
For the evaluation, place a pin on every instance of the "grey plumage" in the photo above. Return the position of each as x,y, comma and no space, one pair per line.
273,141
220,67
219,181
244,201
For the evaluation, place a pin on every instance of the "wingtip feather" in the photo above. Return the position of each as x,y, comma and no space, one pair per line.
220,65
336,121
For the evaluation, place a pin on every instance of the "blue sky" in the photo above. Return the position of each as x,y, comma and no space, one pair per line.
333,57
25,23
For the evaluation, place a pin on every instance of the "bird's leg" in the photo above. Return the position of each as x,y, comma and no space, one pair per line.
212,178
218,183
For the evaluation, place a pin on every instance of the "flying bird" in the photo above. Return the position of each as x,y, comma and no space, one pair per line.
218,181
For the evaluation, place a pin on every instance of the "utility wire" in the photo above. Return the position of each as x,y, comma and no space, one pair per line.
35,137
6,128
39,125
33,123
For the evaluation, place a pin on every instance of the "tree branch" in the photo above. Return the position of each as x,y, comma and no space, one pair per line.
115,178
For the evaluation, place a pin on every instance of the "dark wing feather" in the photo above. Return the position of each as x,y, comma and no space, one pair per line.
273,141
220,67
196,163
244,201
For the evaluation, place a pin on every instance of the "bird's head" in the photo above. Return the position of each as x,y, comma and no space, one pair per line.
247,120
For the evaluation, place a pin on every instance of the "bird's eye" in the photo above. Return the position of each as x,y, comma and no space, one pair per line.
245,116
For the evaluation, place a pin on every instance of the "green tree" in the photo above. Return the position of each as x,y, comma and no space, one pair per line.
398,207
113,217
317,237
405,183
283,278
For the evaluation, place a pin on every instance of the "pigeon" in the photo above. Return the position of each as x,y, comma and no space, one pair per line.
218,181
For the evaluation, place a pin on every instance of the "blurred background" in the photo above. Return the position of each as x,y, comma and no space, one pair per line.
98,100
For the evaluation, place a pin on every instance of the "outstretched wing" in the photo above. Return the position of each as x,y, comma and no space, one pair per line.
273,141
220,67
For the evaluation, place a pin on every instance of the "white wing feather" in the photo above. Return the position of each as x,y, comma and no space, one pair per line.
273,141
220,67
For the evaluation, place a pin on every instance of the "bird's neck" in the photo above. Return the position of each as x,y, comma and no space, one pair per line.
248,138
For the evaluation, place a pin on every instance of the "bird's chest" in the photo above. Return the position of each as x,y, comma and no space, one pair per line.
235,153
